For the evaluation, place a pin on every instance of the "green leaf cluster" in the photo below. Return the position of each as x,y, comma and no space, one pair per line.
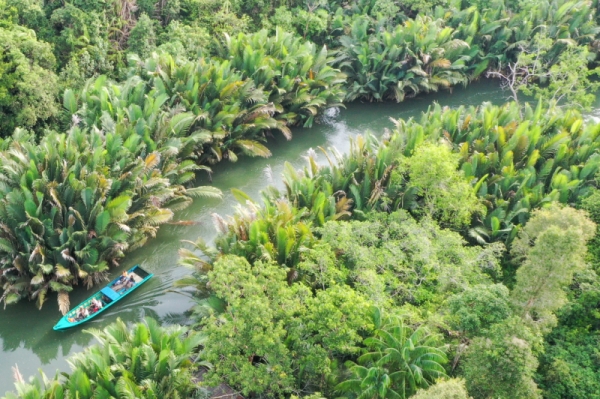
74,203
357,242
28,83
145,361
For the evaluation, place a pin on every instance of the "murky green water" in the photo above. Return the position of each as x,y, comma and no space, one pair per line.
26,335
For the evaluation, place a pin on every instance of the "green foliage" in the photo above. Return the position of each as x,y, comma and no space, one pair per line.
74,203
283,18
183,41
386,8
374,382
502,364
445,389
420,56
422,6
563,79
311,24
383,50
410,356
284,297
297,75
28,84
552,247
314,308
476,309
227,117
446,45
225,114
363,253
405,265
264,331
318,267
275,232
145,361
38,388
251,336
219,17
448,197
515,162
438,261
87,37
569,366
142,39
591,204
336,316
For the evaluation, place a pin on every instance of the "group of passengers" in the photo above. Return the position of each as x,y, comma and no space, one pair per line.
124,282
84,312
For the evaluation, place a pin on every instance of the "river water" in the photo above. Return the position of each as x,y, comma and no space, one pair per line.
26,335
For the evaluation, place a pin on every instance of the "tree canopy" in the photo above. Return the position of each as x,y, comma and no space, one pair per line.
28,83
450,257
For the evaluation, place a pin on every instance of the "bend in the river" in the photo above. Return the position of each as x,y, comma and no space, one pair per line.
26,335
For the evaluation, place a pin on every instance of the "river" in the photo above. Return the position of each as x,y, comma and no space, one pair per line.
26,335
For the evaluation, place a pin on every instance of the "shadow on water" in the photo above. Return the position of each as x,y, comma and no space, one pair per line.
26,335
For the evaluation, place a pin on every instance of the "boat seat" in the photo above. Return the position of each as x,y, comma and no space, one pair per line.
110,293
137,278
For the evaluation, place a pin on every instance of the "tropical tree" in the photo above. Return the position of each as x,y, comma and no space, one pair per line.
28,84
566,77
371,383
515,162
445,192
402,362
199,260
551,247
145,361
476,309
310,190
364,179
409,353
453,388
275,232
297,76
227,114
214,114
448,46
502,363
273,335
419,56
40,387
73,204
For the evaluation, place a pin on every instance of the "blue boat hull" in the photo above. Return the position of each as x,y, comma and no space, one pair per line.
107,295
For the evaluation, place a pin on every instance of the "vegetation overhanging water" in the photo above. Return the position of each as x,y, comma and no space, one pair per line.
132,148
27,336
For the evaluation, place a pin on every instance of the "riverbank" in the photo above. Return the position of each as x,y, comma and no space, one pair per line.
26,335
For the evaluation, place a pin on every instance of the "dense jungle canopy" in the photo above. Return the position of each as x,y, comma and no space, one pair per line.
457,256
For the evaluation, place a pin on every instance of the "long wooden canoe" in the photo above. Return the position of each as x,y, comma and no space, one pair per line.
108,295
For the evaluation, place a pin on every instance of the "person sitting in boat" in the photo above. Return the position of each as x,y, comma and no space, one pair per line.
121,280
82,313
96,305
130,282
99,304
